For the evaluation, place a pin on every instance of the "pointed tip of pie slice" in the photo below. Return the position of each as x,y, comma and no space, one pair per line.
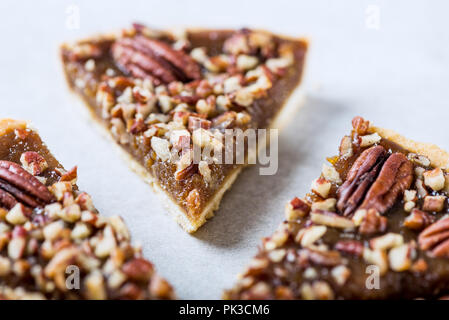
7,125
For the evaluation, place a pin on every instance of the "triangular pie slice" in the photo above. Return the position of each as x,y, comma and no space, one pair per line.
374,226
53,242
151,90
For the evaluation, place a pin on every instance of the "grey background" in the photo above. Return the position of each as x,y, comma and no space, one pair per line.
397,75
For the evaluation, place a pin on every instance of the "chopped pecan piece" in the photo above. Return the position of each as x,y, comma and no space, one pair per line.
187,172
360,125
296,209
434,203
197,123
353,247
323,258
331,219
346,147
33,162
193,201
418,220
373,223
153,59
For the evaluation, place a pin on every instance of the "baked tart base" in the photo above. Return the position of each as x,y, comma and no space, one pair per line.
152,91
374,226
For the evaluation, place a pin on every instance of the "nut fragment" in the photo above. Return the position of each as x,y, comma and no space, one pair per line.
17,215
277,255
71,213
419,159
138,269
359,216
373,223
331,174
33,162
321,187
5,266
387,241
400,258
245,62
410,195
434,203
205,171
311,235
95,286
118,130
296,209
340,274
422,192
360,125
353,247
326,205
16,247
161,147
369,140
318,290
346,147
418,220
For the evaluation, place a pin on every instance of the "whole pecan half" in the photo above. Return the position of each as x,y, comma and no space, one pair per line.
436,238
143,57
18,185
359,179
375,181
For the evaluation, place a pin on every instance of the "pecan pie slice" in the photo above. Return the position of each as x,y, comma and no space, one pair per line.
374,226
53,242
160,94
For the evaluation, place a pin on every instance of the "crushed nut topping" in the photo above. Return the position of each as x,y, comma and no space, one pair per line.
45,230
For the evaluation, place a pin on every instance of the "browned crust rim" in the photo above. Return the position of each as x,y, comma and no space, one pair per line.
437,156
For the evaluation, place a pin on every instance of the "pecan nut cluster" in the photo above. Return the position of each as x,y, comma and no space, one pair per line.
375,181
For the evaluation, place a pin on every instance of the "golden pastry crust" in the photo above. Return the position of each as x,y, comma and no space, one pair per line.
437,156
8,125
